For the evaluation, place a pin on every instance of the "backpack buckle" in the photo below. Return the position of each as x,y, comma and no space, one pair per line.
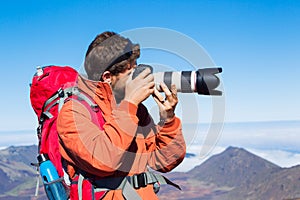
139,180
95,108
60,93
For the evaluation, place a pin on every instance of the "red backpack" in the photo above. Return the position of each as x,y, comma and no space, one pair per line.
51,87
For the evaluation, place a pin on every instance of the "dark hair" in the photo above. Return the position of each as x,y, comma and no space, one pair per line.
109,52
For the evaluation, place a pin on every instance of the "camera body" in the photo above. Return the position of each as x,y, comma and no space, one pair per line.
203,81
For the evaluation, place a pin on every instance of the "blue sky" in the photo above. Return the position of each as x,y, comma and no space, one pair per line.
256,42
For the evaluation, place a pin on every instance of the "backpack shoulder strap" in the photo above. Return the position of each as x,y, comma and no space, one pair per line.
71,93
89,103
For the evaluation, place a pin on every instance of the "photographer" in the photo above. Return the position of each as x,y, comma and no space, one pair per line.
114,153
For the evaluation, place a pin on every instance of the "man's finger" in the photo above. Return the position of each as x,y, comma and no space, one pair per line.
174,91
157,95
144,73
165,89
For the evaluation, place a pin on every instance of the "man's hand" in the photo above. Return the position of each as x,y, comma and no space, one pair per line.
140,88
166,104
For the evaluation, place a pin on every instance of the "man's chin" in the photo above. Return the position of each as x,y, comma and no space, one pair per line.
119,97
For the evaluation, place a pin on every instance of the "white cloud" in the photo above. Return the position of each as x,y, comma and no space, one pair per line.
260,135
10,138
279,157
193,161
277,142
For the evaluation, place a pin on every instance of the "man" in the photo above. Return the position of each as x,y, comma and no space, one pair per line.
115,152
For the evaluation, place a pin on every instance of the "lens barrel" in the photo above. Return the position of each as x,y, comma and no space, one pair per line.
203,81
207,81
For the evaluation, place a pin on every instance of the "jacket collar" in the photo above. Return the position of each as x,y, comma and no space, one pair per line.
95,88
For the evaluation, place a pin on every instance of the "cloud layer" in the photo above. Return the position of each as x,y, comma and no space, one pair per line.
277,142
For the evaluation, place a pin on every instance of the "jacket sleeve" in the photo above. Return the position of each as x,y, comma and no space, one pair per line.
165,143
94,150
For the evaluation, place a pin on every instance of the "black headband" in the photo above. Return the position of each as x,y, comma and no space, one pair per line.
124,56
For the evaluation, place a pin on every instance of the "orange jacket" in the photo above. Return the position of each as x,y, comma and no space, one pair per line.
128,144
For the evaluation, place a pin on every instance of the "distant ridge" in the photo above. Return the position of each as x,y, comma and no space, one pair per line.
25,154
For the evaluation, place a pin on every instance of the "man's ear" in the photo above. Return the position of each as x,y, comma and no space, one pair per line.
106,77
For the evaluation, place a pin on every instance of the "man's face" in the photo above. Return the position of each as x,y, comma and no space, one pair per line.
118,82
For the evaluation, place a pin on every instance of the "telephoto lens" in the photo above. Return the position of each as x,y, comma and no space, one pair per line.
203,81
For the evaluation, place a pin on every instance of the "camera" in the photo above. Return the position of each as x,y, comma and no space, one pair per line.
203,81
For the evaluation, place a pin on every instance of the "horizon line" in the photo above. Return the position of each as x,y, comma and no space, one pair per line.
202,123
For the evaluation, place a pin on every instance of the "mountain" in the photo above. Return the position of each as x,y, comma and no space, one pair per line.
233,174
18,177
233,167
